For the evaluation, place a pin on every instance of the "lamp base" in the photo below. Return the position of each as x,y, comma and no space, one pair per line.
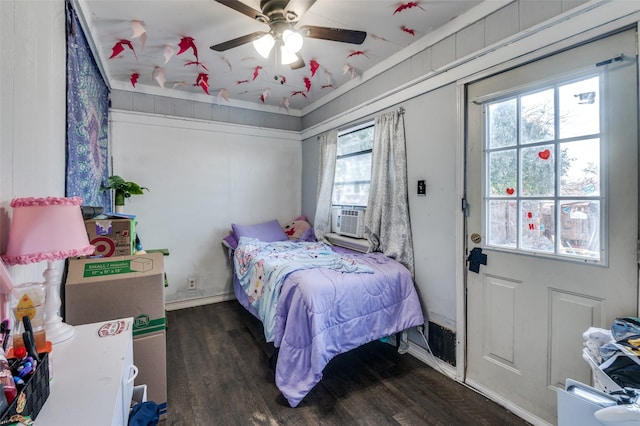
59,332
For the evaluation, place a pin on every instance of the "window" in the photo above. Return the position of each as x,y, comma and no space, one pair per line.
353,166
544,191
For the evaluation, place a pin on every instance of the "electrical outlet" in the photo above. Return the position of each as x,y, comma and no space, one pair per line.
192,282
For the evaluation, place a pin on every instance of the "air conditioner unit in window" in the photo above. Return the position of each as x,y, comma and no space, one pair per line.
348,221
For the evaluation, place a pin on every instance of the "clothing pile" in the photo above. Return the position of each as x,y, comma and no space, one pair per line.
617,350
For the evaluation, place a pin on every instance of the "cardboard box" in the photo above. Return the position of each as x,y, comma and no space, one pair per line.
102,289
112,236
150,356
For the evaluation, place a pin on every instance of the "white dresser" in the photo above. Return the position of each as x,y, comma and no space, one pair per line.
93,374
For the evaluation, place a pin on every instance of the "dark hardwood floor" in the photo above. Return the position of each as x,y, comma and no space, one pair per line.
218,374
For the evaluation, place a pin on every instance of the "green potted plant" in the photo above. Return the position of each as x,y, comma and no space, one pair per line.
123,190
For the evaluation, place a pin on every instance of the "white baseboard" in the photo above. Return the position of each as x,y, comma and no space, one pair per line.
448,370
517,410
197,301
437,364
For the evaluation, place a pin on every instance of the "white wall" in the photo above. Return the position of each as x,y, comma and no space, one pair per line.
202,177
431,131
32,109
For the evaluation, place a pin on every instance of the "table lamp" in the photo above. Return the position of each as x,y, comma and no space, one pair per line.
48,229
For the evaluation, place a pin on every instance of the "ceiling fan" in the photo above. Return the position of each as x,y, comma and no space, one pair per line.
282,16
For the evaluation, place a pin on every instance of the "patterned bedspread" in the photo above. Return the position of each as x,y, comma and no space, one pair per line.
262,267
325,301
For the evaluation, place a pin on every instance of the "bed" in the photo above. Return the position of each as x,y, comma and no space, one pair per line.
316,301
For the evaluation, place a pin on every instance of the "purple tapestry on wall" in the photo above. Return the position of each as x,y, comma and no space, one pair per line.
87,120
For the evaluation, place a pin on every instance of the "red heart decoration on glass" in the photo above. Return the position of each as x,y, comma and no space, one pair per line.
510,191
544,154
529,215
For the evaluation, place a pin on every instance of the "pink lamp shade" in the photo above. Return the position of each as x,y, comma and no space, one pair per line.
46,229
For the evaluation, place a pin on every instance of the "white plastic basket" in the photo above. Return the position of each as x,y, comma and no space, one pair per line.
601,380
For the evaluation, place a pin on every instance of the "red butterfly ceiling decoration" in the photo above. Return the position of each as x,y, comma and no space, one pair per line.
118,48
256,71
200,64
357,53
203,81
313,66
408,5
187,43
408,30
134,78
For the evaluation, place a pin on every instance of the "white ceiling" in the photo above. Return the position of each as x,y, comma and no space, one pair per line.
389,25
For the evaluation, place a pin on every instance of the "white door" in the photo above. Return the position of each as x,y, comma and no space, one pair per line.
553,204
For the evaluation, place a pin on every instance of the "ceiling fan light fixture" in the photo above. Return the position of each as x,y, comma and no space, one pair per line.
264,44
292,41
287,57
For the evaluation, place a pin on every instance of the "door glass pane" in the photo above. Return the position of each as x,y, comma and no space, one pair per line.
537,225
503,126
579,108
543,168
503,219
538,171
580,231
537,117
580,168
503,171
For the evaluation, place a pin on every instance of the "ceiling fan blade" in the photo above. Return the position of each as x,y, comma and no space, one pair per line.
334,34
244,9
297,64
230,44
299,7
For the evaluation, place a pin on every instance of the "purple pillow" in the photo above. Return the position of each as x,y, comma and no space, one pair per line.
267,231
230,241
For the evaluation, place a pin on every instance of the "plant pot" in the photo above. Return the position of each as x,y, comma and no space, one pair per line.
119,198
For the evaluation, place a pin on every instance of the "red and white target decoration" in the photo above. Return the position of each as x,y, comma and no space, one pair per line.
105,247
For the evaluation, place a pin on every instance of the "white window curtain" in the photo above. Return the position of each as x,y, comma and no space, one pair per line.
387,225
326,173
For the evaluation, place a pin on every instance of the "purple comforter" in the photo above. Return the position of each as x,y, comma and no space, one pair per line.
322,313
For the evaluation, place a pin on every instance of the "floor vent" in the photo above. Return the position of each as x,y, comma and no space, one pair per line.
443,343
